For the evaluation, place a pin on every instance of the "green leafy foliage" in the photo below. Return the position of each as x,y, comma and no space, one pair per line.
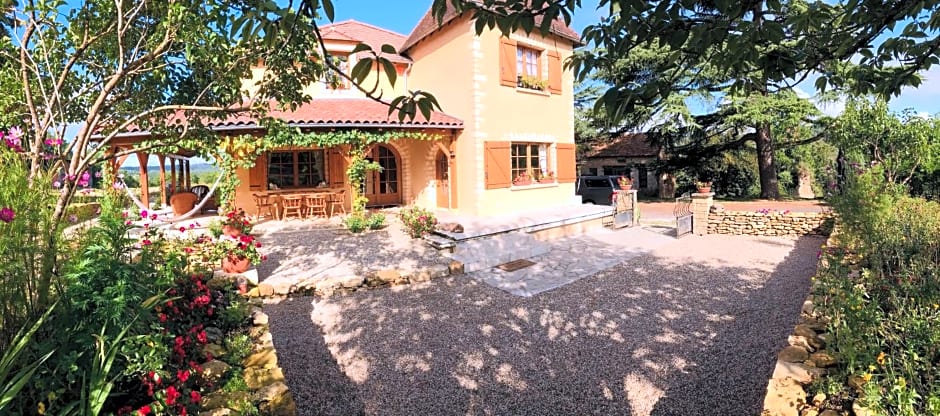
355,223
902,144
376,221
24,288
881,289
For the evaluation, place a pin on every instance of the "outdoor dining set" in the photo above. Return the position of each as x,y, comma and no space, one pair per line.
310,203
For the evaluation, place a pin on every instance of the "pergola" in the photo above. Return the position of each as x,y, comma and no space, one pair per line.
180,179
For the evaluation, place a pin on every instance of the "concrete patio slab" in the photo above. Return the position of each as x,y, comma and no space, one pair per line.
571,258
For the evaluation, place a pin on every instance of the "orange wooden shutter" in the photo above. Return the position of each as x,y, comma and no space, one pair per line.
566,162
257,175
507,62
554,72
496,165
337,168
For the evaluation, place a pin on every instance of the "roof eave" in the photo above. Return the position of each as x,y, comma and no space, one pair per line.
251,127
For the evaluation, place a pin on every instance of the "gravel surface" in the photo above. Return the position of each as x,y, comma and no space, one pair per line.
298,250
662,334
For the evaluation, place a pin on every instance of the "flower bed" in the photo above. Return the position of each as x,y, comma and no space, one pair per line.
877,293
143,328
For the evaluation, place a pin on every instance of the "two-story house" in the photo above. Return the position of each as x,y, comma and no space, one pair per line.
505,139
508,120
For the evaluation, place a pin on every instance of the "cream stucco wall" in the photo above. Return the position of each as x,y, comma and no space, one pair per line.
250,87
444,66
462,70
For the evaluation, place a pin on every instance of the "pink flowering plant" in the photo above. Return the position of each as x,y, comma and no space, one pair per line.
417,221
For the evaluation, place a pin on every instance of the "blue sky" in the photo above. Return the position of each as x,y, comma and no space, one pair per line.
401,16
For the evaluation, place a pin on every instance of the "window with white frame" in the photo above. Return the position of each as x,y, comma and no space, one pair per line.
529,162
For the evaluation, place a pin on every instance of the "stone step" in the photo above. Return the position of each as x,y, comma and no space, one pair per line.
439,242
486,252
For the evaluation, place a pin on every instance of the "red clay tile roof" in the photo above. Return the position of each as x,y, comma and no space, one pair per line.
374,36
428,24
329,112
627,145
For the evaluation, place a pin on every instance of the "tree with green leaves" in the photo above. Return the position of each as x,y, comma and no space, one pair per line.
903,144
745,49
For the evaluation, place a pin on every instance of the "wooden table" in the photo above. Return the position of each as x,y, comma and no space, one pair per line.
277,194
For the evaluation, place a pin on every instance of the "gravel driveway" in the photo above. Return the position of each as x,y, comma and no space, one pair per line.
662,334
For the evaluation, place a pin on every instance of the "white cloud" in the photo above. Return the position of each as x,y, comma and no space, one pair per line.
829,106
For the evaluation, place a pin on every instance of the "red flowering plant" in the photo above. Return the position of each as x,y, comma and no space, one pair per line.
241,247
236,219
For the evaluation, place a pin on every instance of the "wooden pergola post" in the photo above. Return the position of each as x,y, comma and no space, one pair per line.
143,158
162,160
189,184
173,175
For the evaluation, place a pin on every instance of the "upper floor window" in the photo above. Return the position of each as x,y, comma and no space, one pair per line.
521,66
527,62
333,79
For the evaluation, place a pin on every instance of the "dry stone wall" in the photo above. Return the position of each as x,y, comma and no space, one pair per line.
769,223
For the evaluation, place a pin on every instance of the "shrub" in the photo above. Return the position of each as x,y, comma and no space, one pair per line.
376,221
355,223
882,293
417,221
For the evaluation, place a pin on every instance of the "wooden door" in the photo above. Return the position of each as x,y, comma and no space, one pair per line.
383,187
442,176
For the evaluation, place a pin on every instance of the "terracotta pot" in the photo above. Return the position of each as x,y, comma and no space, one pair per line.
546,181
231,231
626,187
522,183
704,189
234,264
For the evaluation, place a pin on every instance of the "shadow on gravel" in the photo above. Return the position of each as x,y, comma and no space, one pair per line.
317,384
664,334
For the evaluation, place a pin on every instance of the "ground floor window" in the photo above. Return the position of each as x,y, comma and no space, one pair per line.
295,169
644,179
529,160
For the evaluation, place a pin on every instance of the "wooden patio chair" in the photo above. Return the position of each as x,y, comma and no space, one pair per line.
292,204
337,200
316,204
263,202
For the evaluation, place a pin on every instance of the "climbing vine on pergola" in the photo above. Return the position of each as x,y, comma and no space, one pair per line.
241,152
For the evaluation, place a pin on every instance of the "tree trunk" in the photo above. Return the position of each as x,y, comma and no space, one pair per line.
766,163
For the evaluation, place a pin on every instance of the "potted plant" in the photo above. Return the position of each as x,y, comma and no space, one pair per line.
237,254
703,187
532,83
522,179
547,177
625,182
236,223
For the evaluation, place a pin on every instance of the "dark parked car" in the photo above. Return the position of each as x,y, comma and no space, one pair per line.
597,189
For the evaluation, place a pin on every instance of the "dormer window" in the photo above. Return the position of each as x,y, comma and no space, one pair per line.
334,80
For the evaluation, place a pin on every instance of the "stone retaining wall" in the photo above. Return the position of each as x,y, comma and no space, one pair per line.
804,360
769,223
334,285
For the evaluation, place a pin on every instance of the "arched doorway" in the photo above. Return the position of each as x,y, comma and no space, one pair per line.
442,177
383,187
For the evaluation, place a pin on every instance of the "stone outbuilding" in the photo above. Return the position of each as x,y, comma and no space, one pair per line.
633,155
